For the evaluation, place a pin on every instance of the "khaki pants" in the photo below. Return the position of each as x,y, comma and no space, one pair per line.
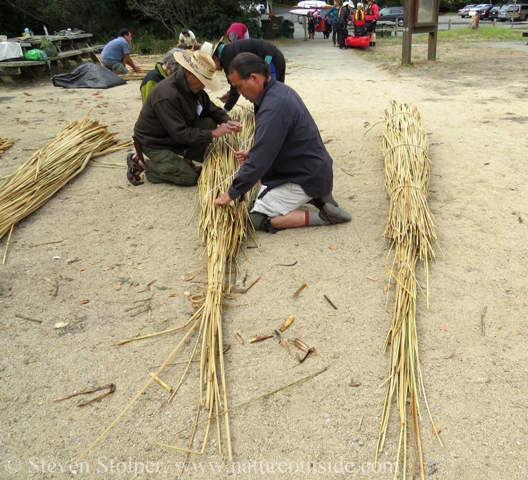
116,67
166,166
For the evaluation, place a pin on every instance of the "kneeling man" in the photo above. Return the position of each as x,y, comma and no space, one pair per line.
288,155
177,123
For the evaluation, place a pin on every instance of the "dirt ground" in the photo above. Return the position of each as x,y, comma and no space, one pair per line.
105,241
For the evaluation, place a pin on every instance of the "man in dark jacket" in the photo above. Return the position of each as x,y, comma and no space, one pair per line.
344,15
177,123
288,155
223,55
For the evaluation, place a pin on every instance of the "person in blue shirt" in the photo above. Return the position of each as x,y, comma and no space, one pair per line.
116,53
333,13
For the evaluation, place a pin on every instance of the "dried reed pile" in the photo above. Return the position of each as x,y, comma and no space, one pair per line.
5,144
52,167
223,231
411,228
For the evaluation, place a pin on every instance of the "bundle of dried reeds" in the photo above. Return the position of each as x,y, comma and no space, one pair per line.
411,228
5,144
52,167
223,231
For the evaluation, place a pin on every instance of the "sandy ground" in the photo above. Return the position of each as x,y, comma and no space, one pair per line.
112,240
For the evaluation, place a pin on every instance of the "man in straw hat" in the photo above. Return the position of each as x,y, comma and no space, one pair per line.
177,123
223,55
288,155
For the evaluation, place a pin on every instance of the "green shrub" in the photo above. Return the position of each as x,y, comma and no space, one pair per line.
145,43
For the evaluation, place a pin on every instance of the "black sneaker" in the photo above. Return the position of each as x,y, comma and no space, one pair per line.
334,215
320,202
261,222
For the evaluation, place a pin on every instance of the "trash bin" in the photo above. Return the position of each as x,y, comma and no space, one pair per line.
287,29
271,28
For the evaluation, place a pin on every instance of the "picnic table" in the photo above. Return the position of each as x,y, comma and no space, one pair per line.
73,49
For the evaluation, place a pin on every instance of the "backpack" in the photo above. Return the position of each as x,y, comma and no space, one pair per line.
49,48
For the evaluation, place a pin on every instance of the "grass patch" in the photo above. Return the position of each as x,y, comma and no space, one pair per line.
462,35
162,288
481,34
144,43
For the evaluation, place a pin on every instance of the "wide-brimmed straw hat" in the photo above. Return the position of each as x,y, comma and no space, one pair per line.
200,65
207,48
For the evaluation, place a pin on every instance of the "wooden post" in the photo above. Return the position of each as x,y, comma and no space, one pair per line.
431,47
449,25
408,21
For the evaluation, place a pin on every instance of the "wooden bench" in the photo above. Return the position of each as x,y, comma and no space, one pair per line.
10,68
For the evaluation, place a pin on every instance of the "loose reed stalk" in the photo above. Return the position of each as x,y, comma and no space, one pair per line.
411,228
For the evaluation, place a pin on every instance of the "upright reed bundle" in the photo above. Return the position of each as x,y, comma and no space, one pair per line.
52,167
411,228
223,231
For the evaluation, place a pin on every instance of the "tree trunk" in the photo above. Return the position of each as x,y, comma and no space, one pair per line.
474,22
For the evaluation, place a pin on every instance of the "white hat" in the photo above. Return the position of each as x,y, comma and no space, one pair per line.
200,65
207,48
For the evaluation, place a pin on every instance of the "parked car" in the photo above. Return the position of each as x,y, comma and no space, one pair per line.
476,9
259,7
391,14
464,12
514,13
493,13
482,10
504,7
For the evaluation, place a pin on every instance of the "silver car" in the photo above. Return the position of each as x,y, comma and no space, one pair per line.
464,12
